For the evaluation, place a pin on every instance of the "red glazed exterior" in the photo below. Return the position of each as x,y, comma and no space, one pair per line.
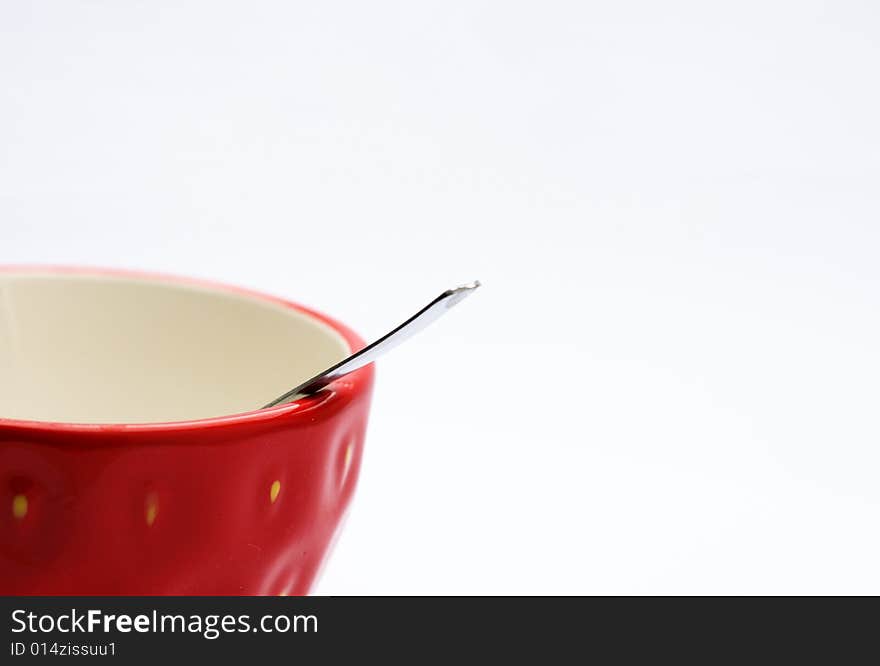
239,505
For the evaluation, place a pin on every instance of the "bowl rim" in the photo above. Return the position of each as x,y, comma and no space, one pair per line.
344,389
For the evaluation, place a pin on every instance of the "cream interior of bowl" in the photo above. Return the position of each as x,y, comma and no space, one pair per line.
82,348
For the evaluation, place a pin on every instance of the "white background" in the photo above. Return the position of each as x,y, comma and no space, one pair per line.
670,380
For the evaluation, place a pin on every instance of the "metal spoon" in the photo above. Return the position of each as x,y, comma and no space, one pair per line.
431,312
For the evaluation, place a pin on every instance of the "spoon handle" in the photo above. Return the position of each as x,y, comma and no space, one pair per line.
431,312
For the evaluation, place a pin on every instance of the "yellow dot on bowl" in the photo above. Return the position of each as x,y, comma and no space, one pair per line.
151,509
274,490
349,452
19,506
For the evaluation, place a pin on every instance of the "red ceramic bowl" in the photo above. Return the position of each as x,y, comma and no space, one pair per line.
132,460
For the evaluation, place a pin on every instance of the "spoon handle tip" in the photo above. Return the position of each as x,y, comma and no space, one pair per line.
371,352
